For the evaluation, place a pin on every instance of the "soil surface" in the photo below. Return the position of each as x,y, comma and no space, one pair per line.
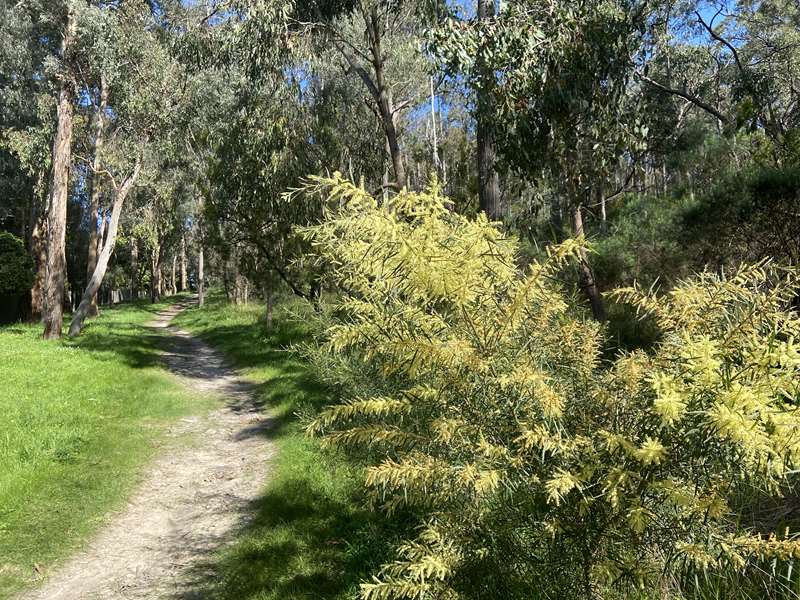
193,497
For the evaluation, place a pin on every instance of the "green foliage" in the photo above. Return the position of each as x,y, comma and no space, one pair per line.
562,85
16,265
748,216
536,468
645,243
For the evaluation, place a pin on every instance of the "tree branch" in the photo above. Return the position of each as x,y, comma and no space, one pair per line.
721,40
685,95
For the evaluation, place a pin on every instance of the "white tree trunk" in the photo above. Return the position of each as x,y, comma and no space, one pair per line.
105,254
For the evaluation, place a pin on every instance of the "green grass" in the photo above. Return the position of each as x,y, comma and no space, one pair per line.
79,419
310,538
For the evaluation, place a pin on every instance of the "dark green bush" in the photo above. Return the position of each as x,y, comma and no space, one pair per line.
16,266
747,217
645,243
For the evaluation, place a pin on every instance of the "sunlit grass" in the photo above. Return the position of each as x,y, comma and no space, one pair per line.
78,419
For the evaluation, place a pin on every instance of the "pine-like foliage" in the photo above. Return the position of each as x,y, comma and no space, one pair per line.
539,470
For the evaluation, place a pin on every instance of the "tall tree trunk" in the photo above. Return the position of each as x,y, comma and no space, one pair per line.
385,181
95,240
173,280
488,179
588,283
383,97
378,88
434,136
184,282
53,314
134,268
155,274
603,214
200,278
38,249
90,294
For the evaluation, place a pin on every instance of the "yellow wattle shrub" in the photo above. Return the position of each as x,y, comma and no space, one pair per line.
537,469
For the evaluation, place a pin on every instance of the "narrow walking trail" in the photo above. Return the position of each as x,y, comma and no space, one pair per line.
193,496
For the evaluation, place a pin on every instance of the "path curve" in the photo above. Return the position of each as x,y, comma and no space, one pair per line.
192,498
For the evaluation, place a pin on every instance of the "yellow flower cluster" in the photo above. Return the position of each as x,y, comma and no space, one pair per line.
495,417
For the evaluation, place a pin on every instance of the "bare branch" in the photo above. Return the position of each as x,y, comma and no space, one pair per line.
400,106
685,95
721,40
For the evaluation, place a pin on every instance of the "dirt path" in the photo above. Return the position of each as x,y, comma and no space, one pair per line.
192,497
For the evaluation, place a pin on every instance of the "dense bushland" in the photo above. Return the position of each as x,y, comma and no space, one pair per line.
16,266
538,469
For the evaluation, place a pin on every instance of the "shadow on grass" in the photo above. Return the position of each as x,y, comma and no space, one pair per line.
302,543
310,536
121,332
137,348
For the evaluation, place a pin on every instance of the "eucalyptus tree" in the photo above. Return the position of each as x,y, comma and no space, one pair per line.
140,74
346,135
488,180
266,150
561,98
378,42
62,33
27,104
56,207
735,61
25,121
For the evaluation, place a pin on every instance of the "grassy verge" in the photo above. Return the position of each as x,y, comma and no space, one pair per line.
310,537
79,419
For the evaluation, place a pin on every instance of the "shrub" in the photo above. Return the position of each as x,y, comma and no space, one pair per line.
746,217
646,243
537,470
16,266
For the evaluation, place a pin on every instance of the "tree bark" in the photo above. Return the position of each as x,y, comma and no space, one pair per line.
184,284
38,250
95,236
53,315
378,88
155,273
603,213
134,268
488,179
200,278
90,294
587,280
434,136
173,280
383,97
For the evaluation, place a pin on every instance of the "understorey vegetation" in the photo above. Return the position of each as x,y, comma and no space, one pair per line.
483,403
